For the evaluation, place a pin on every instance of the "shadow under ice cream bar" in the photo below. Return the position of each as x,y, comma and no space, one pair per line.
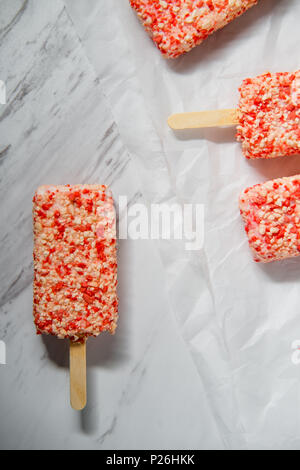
176,26
267,119
271,212
75,268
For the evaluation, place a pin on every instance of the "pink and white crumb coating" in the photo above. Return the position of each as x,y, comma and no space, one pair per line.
75,263
269,115
176,26
271,212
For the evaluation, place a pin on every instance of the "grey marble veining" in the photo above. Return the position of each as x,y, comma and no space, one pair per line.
49,122
57,127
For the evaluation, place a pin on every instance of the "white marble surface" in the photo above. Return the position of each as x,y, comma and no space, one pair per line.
57,127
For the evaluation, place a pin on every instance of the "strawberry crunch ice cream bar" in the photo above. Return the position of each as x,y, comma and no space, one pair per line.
176,26
269,115
75,264
271,212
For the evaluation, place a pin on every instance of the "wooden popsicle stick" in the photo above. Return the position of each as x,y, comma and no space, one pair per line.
78,375
221,117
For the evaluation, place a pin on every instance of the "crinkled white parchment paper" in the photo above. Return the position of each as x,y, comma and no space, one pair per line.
238,318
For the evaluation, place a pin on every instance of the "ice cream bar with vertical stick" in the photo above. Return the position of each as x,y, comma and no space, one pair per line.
271,213
176,26
267,118
75,270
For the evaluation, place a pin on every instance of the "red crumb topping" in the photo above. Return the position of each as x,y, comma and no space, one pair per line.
176,26
269,115
271,212
75,264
